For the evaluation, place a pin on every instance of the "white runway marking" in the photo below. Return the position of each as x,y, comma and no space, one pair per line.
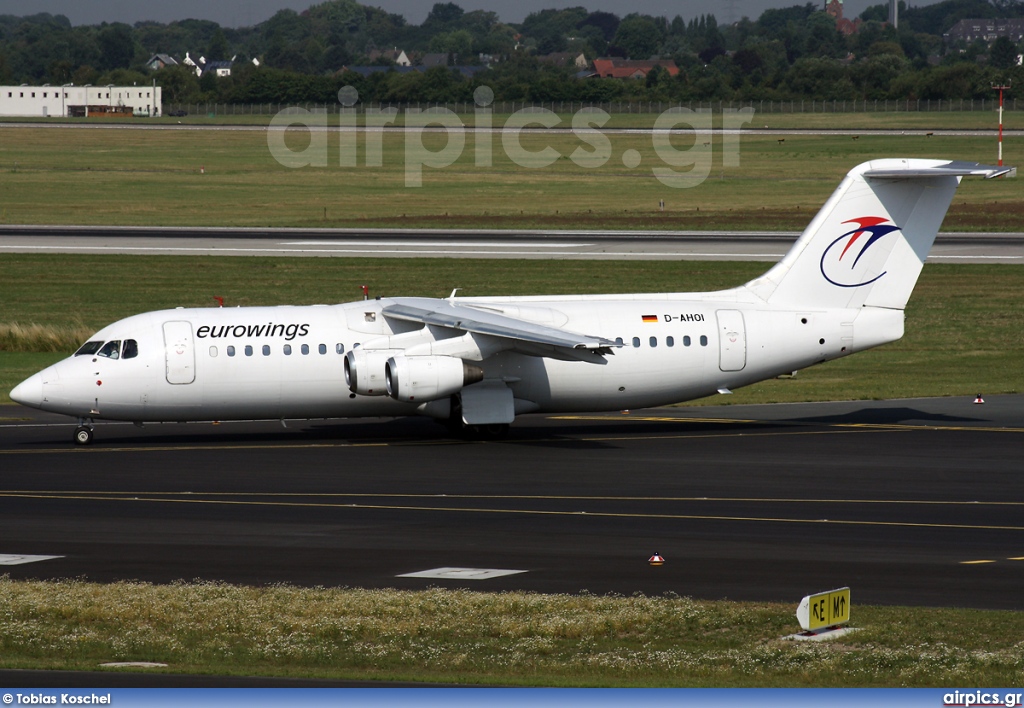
14,559
370,250
991,258
461,573
432,242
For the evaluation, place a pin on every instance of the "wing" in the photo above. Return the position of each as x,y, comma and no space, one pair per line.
516,334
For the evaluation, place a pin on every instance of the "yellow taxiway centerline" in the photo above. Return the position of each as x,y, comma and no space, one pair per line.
482,510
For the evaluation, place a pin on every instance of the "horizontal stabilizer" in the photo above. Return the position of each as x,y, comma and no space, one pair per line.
950,169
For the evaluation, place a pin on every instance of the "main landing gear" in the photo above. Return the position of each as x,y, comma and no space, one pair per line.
83,433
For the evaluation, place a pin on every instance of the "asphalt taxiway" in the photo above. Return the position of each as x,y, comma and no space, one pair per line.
913,502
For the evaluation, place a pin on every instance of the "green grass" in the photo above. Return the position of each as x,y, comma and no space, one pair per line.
509,638
964,333
935,120
126,177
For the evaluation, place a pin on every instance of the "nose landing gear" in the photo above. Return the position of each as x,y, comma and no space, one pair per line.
83,433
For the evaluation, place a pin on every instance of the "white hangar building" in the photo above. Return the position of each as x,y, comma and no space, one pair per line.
63,101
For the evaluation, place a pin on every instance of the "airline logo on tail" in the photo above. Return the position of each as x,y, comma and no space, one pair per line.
840,261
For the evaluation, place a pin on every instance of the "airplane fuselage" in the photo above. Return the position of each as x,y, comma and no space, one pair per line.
287,362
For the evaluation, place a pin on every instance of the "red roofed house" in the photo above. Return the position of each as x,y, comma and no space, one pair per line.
615,68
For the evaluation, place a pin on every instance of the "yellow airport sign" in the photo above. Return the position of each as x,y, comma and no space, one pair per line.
824,609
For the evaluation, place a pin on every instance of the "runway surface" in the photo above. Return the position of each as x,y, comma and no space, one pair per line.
915,502
561,128
768,246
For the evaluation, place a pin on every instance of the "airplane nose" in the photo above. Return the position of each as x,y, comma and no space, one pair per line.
29,392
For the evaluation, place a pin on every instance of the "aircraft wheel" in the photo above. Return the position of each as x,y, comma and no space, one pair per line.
83,435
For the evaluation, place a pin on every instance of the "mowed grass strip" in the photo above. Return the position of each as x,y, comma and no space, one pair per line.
230,178
964,326
511,638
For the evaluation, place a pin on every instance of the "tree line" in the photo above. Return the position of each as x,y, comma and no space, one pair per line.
790,53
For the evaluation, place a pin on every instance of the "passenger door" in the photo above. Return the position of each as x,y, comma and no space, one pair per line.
180,352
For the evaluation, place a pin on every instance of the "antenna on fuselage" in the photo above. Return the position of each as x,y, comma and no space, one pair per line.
366,291
220,300
451,298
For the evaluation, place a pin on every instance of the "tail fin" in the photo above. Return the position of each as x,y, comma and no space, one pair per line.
867,245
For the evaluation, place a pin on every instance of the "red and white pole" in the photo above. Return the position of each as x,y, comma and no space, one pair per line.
1000,89
1000,126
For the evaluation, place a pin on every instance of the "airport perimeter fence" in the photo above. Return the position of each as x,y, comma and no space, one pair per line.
613,107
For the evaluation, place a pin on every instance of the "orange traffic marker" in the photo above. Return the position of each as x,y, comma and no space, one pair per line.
656,559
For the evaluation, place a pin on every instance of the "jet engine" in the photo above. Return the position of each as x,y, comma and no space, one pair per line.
427,378
364,370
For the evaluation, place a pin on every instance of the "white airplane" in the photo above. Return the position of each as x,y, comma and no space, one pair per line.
477,363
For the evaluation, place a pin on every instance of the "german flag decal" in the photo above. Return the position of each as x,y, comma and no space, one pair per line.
650,318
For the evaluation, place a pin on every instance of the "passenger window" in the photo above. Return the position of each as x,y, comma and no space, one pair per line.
670,341
618,340
322,348
131,349
287,349
686,340
636,341
213,352
111,350
266,350
231,350
703,340
305,349
89,348
248,350
339,348
654,342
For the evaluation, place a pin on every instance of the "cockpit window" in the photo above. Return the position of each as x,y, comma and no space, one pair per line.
89,348
111,350
131,349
